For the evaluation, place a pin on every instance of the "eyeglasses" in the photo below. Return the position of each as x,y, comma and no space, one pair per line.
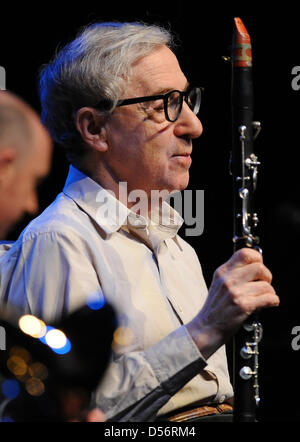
173,101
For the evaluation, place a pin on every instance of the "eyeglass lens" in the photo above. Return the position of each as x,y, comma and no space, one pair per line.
193,99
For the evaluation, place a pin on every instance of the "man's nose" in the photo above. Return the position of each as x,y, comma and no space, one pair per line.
188,123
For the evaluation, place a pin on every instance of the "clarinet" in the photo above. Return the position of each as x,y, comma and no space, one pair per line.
244,166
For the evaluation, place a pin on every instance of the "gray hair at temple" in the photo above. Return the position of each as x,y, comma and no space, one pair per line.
92,68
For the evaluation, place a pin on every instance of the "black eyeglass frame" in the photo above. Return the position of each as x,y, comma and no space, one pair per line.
183,94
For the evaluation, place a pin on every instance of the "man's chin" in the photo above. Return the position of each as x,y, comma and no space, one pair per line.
183,183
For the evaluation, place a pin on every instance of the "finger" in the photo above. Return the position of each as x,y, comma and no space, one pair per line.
258,288
255,295
239,259
244,257
256,271
266,300
250,289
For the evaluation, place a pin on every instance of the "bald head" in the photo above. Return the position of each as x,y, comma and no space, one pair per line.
19,123
25,153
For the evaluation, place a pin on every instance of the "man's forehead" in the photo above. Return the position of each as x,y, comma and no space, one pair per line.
157,73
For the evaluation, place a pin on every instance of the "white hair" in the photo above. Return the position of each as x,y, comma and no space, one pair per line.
93,68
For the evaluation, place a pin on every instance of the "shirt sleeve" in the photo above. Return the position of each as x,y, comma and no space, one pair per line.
138,384
51,274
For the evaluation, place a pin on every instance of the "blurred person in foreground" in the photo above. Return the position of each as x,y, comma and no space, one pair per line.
25,157
118,102
40,383
50,370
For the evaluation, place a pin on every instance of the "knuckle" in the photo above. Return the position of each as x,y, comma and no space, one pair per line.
272,292
242,255
271,289
248,256
270,275
264,272
266,287
260,269
219,272
229,284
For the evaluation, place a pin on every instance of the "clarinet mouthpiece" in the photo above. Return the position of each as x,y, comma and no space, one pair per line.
241,45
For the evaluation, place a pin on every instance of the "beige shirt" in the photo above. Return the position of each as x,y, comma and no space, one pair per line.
77,250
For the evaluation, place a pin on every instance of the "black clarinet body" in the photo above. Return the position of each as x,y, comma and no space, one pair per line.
244,166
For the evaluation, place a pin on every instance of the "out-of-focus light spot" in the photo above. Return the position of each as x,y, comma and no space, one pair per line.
10,388
43,338
32,326
122,336
63,350
34,386
96,301
20,352
38,370
56,338
17,365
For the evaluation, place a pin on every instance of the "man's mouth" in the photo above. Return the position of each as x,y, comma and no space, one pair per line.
183,158
182,154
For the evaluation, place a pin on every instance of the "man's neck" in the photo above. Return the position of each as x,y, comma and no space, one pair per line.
140,201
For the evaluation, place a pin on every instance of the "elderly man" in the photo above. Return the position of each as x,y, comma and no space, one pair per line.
117,100
25,153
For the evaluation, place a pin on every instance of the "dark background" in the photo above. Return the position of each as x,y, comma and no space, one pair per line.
30,35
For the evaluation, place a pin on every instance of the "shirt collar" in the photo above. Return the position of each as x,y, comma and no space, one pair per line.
111,214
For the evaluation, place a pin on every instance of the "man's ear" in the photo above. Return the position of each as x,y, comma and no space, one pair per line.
7,158
91,127
7,166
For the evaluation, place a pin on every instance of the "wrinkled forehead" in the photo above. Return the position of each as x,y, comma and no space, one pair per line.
156,73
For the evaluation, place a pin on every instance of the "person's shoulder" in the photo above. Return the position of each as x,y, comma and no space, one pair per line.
59,219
